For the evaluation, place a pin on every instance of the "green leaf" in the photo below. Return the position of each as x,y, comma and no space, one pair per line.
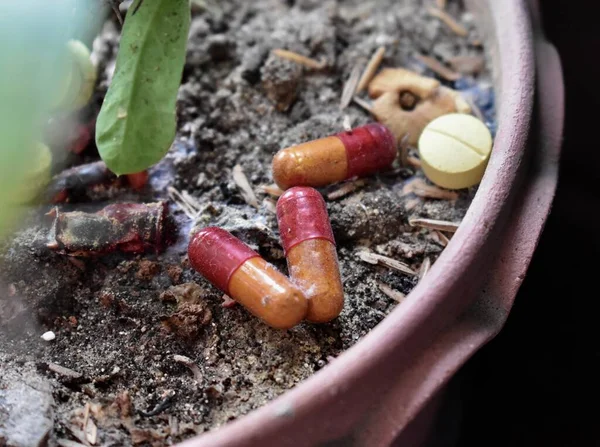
136,125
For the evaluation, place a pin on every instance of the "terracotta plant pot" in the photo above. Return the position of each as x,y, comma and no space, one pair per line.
383,390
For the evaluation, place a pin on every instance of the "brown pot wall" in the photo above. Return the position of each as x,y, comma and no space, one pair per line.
380,391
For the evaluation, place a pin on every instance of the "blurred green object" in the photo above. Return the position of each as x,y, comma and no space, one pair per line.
79,82
33,61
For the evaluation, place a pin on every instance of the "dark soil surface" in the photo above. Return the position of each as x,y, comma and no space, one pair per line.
120,320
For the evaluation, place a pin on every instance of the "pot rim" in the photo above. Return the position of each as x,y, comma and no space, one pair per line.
450,286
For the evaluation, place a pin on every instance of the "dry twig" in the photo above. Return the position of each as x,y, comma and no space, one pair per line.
456,27
300,59
350,87
468,65
413,161
346,189
64,371
191,365
475,108
243,184
374,258
185,201
424,269
396,295
438,67
432,224
272,190
366,105
422,189
441,4
270,205
440,237
370,69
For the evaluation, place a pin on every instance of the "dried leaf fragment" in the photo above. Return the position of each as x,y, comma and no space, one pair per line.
346,189
467,65
300,59
243,184
424,269
350,87
374,258
388,111
188,362
396,295
422,189
437,67
399,79
450,22
433,224
370,69
440,237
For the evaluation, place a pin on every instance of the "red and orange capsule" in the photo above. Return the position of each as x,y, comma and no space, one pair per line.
241,273
310,251
356,153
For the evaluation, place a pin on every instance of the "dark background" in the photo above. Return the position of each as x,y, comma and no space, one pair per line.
536,384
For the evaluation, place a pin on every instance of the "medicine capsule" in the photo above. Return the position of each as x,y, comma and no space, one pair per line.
310,251
241,273
359,152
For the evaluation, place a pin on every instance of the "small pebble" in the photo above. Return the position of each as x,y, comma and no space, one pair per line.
49,336
454,150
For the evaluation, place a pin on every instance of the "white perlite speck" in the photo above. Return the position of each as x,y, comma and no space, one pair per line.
49,336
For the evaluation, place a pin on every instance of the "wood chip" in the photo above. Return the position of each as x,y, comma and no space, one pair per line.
424,269
64,371
370,69
433,224
456,27
467,65
272,190
396,295
243,184
440,237
375,259
191,365
300,59
346,189
366,105
438,67
422,189
350,87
